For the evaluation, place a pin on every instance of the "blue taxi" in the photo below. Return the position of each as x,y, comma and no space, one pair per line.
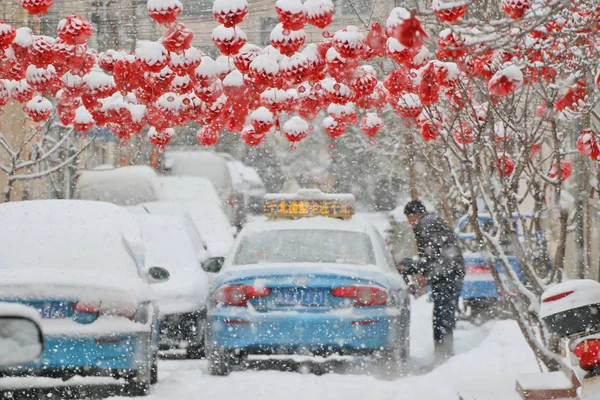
310,280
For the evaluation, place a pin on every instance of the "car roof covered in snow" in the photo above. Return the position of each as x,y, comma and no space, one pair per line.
186,188
569,295
204,164
311,223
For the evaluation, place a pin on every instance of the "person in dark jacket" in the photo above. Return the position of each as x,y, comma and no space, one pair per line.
441,263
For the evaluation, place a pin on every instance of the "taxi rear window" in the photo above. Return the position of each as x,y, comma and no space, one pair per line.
305,246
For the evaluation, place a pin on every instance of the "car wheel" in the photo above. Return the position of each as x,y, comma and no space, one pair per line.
139,383
154,369
220,362
405,336
197,351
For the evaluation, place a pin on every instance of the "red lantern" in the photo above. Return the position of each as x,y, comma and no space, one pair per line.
565,170
128,73
451,45
74,29
376,40
230,12
349,42
69,56
41,78
41,51
274,99
515,8
504,165
402,25
7,35
107,59
206,74
340,68
371,124
181,84
164,11
316,64
572,97
22,43
409,106
185,63
177,38
66,115
505,81
337,92
345,113
98,84
262,120
21,91
363,83
293,68
160,138
36,7
245,56
333,127
319,13
429,89
233,86
587,144
229,41
83,120
210,93
252,138
208,135
428,131
38,109
85,66
235,118
447,73
448,12
291,14
295,129
463,134
286,41
399,53
397,82
152,56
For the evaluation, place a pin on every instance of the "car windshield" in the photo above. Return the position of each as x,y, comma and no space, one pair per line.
305,246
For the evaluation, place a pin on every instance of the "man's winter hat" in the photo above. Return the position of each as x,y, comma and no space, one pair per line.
415,207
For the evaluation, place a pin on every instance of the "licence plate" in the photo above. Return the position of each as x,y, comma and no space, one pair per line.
304,297
51,310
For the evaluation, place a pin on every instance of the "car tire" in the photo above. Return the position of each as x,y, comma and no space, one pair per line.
220,362
138,384
154,369
197,351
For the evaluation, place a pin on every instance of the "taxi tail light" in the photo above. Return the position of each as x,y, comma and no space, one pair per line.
557,297
238,295
364,296
588,353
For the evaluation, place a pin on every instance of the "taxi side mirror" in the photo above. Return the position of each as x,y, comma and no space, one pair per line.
22,340
158,274
213,265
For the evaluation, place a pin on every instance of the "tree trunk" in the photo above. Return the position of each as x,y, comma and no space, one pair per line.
8,190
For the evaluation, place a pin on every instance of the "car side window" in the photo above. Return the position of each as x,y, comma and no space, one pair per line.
388,256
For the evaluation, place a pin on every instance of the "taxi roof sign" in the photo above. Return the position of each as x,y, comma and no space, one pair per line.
309,203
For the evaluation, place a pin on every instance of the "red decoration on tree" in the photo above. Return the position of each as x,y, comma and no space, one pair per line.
36,7
370,124
572,97
251,137
429,89
409,105
229,41
7,35
160,138
164,11
565,170
448,12
295,129
504,165
333,127
515,8
349,42
291,14
262,120
376,40
399,53
21,91
74,29
319,13
107,60
185,63
38,109
41,52
230,12
152,56
286,41
405,27
363,83
83,120
505,81
128,73
177,38
587,144
207,135
428,131
463,134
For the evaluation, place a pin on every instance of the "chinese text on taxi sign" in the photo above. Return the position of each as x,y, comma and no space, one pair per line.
308,208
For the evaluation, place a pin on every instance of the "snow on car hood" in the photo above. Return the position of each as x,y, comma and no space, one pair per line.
578,293
185,291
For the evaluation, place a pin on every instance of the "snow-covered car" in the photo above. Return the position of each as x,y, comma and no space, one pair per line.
21,337
99,313
250,184
188,188
303,282
182,299
213,167
206,224
124,186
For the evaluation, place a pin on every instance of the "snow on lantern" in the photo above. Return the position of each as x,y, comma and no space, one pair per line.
504,165
7,35
295,129
587,144
515,8
451,45
402,25
245,56
152,56
337,92
349,42
233,86
107,59
264,69
345,113
291,14
98,84
409,105
565,170
155,84
21,91
208,135
83,120
251,137
41,51
502,132
274,99
170,106
447,73
399,53
376,40
206,73
293,68
160,138
177,38
505,81
22,43
316,63
83,65
262,120
186,62
181,84
333,127
229,12
339,67
229,41
38,109
164,11
429,87
114,109
397,82
41,78
310,102
364,82
449,11
573,99
428,130
36,7
74,29
224,66
209,93
370,124
286,41
319,13
128,73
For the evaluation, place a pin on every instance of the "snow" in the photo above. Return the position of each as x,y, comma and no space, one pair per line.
410,100
188,56
224,65
312,194
442,5
227,34
83,116
290,6
394,46
97,79
262,114
39,75
295,126
163,5
351,36
372,119
150,52
512,72
340,110
265,63
203,164
39,104
397,16
24,37
229,6
20,341
545,381
332,54
330,122
318,7
5,28
278,34
207,69
585,292
234,79
188,188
